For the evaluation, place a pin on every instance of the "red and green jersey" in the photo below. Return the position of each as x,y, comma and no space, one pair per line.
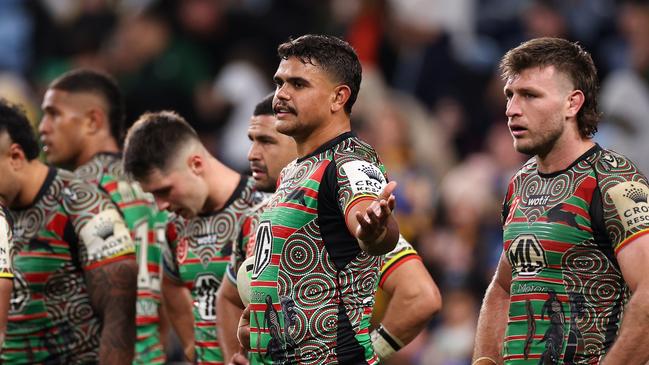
69,229
200,251
312,287
6,244
562,232
147,226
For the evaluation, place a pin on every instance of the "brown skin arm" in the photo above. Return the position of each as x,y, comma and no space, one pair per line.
493,316
632,344
6,285
373,224
112,289
229,308
178,304
243,333
414,299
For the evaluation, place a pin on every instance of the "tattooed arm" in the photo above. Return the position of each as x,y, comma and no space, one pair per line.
112,289
6,285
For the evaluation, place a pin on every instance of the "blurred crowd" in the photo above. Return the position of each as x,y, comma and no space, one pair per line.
431,101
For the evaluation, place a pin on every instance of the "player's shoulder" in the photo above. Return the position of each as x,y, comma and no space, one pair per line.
99,166
76,194
353,148
607,162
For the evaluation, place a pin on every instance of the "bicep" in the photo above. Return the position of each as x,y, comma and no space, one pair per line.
633,258
503,275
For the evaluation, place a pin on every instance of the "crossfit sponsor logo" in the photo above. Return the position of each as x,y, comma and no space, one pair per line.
526,255
364,177
630,200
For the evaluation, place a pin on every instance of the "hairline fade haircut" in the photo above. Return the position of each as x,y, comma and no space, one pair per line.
153,141
14,122
570,59
102,85
332,54
265,106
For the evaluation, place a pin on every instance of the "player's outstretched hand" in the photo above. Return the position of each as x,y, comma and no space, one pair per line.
373,224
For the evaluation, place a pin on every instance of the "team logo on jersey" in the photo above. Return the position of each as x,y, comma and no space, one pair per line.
610,160
631,201
364,177
263,248
181,250
526,255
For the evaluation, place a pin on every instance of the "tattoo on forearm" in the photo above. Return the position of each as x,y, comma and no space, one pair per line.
112,289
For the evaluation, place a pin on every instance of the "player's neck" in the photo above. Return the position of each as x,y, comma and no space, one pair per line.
563,154
322,135
222,181
95,146
32,179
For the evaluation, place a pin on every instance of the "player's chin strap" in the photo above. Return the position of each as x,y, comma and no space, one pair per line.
384,343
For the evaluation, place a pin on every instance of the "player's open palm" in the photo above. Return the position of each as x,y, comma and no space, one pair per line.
373,222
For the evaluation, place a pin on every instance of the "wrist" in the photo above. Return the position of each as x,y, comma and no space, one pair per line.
377,240
484,360
384,343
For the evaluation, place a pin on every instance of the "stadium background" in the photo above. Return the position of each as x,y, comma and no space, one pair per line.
431,100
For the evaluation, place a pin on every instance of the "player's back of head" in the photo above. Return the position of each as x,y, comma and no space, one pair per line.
14,123
154,140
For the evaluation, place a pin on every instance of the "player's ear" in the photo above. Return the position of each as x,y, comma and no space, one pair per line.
575,101
340,96
96,120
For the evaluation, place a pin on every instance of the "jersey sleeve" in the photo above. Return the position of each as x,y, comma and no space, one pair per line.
175,242
6,243
403,252
359,176
102,232
625,195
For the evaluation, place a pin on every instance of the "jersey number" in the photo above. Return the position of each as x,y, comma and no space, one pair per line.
144,279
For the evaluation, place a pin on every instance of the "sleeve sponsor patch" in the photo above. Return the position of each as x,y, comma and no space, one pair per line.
106,236
631,202
364,177
5,247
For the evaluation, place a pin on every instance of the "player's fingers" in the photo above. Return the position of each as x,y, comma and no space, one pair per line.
392,203
362,221
387,190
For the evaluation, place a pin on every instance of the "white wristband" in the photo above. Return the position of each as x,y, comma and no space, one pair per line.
384,343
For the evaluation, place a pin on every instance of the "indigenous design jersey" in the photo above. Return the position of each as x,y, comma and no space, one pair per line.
70,228
245,245
6,244
200,252
562,232
147,226
312,286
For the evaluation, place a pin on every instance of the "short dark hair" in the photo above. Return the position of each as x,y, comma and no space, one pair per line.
102,84
265,107
14,122
152,141
332,54
567,57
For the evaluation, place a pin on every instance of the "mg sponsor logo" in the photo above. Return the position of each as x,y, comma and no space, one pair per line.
526,255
